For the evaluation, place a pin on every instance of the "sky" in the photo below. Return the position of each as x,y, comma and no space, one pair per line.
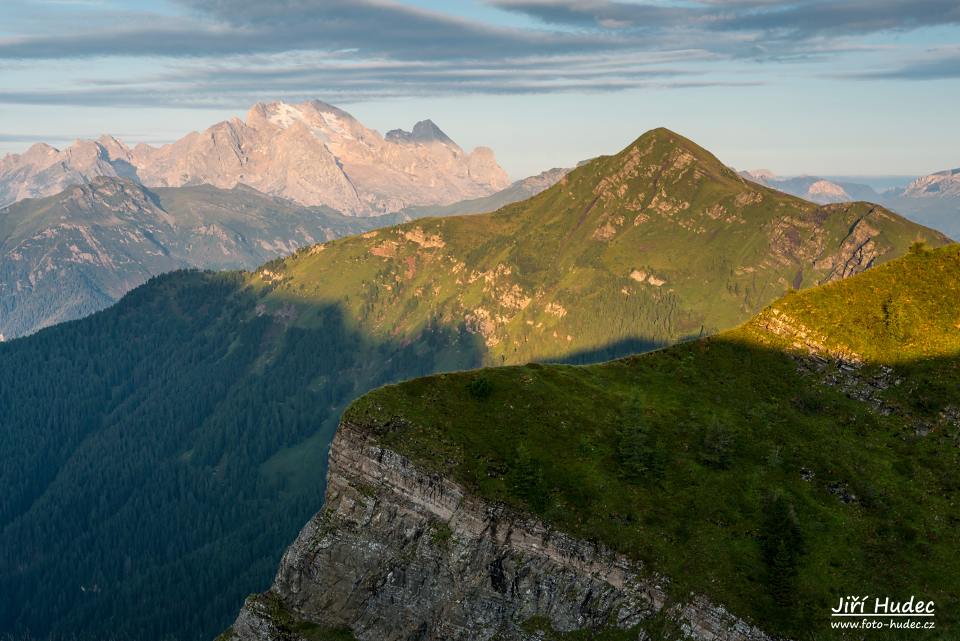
826,87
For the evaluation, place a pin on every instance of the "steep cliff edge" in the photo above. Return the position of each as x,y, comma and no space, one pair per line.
401,553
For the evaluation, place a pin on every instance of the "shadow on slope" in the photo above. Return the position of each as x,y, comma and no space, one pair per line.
157,457
149,475
616,349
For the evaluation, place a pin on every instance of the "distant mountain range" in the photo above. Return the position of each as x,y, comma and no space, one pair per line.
156,458
932,200
312,153
939,185
813,188
69,255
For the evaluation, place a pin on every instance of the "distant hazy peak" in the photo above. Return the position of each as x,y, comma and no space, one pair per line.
941,183
758,175
423,131
310,152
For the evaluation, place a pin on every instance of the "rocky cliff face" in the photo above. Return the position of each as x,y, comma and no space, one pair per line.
399,553
312,153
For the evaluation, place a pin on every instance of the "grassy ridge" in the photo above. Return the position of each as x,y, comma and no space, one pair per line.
897,313
723,465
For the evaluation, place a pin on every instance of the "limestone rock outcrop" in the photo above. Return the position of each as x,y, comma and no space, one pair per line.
400,553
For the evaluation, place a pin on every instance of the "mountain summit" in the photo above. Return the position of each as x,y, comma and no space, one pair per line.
312,153
423,131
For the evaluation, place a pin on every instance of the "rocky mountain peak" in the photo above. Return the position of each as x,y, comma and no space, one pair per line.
942,183
428,130
314,113
660,164
310,152
826,189
425,131
113,147
35,152
105,195
661,143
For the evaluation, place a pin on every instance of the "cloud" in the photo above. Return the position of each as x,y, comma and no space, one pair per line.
29,137
348,80
216,53
764,18
938,64
848,17
383,28
372,27
604,14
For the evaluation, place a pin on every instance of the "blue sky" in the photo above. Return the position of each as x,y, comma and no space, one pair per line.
830,87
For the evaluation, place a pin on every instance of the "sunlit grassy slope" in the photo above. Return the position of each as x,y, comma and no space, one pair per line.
730,464
657,243
899,312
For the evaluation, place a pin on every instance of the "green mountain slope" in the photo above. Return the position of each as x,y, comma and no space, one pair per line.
71,254
656,243
159,455
807,455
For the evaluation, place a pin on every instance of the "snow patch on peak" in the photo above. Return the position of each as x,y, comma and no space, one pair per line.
322,120
336,124
283,115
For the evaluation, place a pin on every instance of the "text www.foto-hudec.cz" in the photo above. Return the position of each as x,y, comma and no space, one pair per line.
854,613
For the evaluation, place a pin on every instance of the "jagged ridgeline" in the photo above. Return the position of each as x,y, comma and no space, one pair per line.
733,488
157,457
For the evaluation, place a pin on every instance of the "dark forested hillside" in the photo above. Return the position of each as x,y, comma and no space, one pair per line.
157,457
152,473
